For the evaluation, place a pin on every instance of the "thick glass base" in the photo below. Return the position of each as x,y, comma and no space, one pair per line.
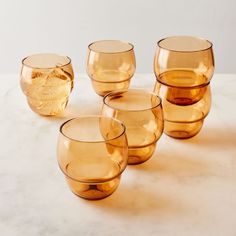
181,130
93,191
139,155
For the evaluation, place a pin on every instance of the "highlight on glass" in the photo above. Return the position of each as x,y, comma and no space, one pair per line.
141,113
92,153
184,66
47,81
110,65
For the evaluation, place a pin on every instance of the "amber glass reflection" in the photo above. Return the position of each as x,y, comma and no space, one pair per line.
92,154
184,65
110,65
141,112
47,81
184,118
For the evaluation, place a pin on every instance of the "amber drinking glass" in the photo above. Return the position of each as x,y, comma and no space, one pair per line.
110,65
141,112
92,154
184,66
47,81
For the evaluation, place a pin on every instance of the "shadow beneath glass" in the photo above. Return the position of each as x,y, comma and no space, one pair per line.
189,157
214,137
133,201
75,110
173,164
83,109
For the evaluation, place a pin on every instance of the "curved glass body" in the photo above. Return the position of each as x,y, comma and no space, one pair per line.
110,65
92,153
141,112
47,81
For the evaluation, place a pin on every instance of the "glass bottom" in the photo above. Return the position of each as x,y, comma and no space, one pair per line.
48,107
182,130
93,191
103,88
139,155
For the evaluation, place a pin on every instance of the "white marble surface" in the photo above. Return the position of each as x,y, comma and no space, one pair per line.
187,188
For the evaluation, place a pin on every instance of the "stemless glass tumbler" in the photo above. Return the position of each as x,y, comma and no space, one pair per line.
141,112
184,66
92,154
110,65
47,81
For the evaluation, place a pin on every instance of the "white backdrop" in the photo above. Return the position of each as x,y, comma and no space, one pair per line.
67,27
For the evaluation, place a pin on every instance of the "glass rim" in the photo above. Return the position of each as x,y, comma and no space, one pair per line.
92,116
45,68
113,40
185,51
127,90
